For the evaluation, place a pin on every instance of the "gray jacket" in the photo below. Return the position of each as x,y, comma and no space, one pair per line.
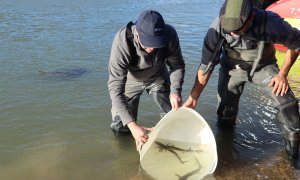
276,31
166,63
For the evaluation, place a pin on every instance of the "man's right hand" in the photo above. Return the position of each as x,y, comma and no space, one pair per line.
139,133
190,103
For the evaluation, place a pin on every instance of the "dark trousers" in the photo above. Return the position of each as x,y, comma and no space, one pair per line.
230,88
159,90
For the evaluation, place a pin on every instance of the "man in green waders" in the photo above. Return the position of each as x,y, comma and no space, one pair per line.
241,39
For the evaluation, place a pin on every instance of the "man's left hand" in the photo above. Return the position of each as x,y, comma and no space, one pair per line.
176,101
280,84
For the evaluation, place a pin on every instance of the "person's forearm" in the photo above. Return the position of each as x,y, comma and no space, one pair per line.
290,58
200,83
131,124
176,78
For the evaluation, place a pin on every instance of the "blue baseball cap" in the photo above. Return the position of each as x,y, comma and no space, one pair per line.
151,29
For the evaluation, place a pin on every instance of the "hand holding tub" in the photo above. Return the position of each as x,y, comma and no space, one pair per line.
176,101
139,133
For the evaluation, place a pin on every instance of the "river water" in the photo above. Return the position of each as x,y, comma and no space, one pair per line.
55,127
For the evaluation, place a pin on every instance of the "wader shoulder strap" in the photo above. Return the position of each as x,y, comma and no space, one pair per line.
129,37
213,59
262,30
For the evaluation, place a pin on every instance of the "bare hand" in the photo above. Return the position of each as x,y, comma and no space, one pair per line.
190,103
176,101
280,84
139,133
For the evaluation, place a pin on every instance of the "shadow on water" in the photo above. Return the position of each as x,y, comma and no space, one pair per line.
63,74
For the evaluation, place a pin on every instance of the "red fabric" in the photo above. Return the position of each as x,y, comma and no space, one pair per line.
286,9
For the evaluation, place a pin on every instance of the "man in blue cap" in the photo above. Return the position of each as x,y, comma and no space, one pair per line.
145,56
242,41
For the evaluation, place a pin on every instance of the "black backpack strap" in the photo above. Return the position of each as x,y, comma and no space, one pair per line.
213,60
129,37
129,34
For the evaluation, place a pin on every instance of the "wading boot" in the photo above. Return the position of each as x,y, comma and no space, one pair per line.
291,141
292,148
226,122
